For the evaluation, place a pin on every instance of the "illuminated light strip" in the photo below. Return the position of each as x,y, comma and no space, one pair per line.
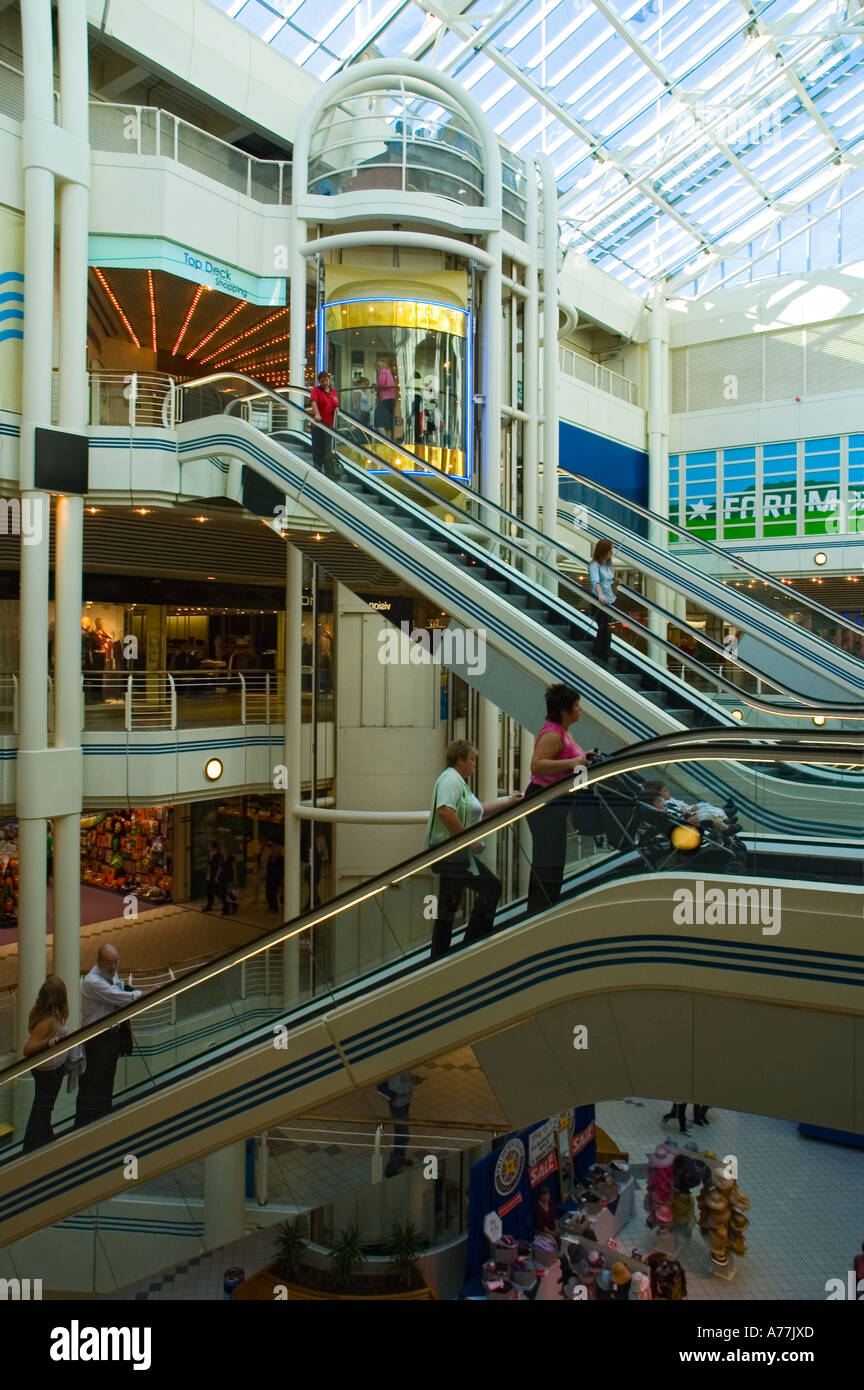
152,307
250,352
223,347
214,331
198,294
111,295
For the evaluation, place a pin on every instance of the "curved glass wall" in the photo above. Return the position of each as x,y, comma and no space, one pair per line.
404,367
396,141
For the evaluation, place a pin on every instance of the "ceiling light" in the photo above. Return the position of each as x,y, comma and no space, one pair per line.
143,511
202,518
737,713
820,558
92,510
213,769
819,720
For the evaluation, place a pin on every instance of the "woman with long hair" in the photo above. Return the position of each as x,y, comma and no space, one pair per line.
603,584
47,1025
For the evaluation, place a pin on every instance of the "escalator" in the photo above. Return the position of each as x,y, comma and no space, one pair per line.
768,948
717,585
491,572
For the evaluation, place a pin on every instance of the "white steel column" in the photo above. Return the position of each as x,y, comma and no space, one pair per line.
550,345
492,328
36,411
531,355
225,1195
291,757
297,316
74,211
658,449
487,750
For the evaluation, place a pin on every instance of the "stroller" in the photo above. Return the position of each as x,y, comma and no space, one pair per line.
630,823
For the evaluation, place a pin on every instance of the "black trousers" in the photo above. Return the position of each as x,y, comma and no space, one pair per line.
603,639
455,878
548,827
96,1085
39,1130
679,1113
320,446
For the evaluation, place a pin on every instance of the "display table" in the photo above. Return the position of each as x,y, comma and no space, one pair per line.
610,1220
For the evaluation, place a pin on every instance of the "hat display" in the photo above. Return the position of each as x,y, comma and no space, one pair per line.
715,1201
619,1169
718,1239
722,1182
739,1200
720,1257
737,1243
641,1284
604,1279
663,1214
596,1260
620,1273
662,1157
738,1221
716,1219
593,1203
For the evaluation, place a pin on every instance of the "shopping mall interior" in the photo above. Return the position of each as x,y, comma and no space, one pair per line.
426,422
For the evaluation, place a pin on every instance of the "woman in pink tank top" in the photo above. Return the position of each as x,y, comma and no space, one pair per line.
556,755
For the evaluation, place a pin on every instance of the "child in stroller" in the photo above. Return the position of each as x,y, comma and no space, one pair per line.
658,812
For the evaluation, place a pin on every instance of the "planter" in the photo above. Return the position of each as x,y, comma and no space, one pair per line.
261,1287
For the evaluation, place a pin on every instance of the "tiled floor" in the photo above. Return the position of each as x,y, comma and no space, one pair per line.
806,1220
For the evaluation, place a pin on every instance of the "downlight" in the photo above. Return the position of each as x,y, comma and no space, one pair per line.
737,713
819,720
820,558
213,769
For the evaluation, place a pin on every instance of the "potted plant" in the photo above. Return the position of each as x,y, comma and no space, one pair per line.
348,1273
346,1257
405,1246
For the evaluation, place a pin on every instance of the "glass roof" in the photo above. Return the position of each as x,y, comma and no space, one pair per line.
700,142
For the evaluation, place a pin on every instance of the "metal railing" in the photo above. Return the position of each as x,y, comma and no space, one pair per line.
148,131
586,370
12,93
182,699
144,399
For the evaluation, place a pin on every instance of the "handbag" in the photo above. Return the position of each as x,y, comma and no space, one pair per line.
124,1041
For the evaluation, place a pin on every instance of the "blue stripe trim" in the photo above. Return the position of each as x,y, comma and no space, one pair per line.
11,333
11,314
8,275
11,296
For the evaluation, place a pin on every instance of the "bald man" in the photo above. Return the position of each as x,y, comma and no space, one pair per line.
102,994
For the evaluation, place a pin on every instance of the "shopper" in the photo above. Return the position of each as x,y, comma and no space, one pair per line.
679,1113
555,756
603,585
227,887
455,808
103,993
274,876
545,1220
47,1024
385,406
214,865
361,400
700,1114
397,1091
325,403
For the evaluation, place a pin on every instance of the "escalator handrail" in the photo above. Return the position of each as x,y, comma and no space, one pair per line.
655,517
729,557
711,745
841,709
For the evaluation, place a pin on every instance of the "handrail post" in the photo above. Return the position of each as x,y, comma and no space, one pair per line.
176,140
242,681
267,699
127,712
158,130
248,176
14,703
83,703
138,128
172,686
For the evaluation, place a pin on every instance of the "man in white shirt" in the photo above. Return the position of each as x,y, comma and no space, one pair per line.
102,994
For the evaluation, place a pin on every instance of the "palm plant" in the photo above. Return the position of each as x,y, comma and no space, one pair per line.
346,1256
405,1245
290,1246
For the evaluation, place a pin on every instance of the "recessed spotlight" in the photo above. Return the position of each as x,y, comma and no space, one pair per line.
202,518
143,511
819,720
93,510
213,770
211,576
737,713
820,558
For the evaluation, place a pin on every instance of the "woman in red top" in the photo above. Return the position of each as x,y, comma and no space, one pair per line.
324,402
555,755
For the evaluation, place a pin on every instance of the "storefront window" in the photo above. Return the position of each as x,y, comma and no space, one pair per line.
701,494
402,367
821,486
739,494
779,487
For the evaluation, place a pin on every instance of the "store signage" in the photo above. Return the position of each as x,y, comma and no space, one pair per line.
541,1152
582,1140
492,1226
511,1205
156,253
778,504
509,1167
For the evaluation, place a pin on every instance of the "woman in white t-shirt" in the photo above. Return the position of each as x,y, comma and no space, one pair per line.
455,808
